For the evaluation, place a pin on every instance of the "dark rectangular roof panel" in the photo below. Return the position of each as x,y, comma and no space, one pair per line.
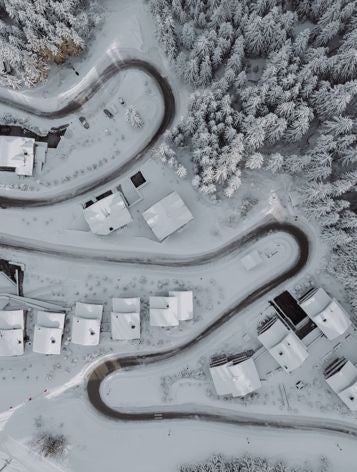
287,304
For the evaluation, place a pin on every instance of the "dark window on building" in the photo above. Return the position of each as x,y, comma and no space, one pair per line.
105,194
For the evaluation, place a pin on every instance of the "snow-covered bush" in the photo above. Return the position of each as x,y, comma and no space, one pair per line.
133,117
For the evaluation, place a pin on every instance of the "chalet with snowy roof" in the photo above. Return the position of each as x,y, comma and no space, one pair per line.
184,304
235,375
17,154
325,312
167,216
11,332
341,376
86,324
48,332
125,319
106,213
283,344
164,311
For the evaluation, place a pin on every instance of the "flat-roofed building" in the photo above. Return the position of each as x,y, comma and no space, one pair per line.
237,376
11,332
252,260
164,311
325,312
341,376
48,332
283,344
17,154
107,213
184,304
125,318
167,216
86,324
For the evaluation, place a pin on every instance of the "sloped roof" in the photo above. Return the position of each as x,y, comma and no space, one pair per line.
245,377
184,304
327,313
126,305
11,342
167,216
50,319
344,383
163,311
85,331
11,319
125,326
286,348
17,152
238,379
47,340
89,310
107,214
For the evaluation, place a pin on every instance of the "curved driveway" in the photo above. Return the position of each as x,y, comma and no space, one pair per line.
75,104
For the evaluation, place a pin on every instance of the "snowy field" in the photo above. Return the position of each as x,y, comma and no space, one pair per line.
41,394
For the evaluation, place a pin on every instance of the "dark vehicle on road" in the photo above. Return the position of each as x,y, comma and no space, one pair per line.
84,122
121,101
108,113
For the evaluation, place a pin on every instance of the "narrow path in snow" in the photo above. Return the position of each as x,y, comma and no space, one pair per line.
75,103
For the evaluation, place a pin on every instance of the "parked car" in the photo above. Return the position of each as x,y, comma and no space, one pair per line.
84,122
108,113
121,101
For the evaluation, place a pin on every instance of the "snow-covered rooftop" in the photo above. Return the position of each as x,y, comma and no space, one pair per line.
326,312
47,340
89,310
167,216
236,379
86,324
17,153
283,344
11,342
107,214
125,326
85,331
50,319
163,311
251,260
11,319
48,332
125,318
184,304
344,383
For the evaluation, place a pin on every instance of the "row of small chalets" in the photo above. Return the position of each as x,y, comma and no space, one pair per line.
86,323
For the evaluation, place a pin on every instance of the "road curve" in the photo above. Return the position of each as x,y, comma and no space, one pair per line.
223,416
75,104
21,244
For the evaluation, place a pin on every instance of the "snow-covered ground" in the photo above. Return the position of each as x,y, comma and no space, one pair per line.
83,156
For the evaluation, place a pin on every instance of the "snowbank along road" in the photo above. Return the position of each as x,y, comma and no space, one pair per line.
76,103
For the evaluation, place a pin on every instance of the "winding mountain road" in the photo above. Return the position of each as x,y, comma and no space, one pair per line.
102,370
75,103
216,415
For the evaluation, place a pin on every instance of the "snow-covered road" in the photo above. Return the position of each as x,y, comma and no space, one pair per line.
81,96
